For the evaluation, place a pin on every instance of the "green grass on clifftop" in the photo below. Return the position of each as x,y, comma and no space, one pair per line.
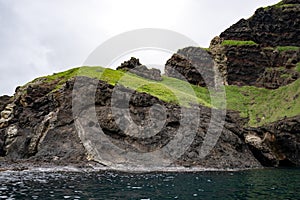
260,105
170,90
238,43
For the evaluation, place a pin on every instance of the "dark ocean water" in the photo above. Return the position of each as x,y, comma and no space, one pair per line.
253,184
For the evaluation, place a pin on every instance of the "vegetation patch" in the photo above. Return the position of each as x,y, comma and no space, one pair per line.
277,5
280,4
266,106
238,43
288,5
261,106
271,69
287,48
269,48
285,76
206,49
298,67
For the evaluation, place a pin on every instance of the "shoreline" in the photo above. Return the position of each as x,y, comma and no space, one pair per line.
93,168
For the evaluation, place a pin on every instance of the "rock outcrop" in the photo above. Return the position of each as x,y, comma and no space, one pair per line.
192,64
237,65
272,61
262,51
276,144
256,65
276,25
134,66
40,127
4,100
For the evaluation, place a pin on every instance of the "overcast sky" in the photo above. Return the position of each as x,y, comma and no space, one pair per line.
40,37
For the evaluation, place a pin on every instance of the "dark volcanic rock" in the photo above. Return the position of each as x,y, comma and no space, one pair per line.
276,144
130,64
40,126
134,66
45,128
277,25
261,65
255,65
273,78
4,100
46,131
192,64
133,135
236,65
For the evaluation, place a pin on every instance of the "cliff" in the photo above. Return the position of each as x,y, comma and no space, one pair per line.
261,51
135,118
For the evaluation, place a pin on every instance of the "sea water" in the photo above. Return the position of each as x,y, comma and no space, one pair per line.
250,184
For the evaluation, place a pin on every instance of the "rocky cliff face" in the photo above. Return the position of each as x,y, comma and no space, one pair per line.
40,126
261,51
192,64
268,67
281,144
37,125
272,61
42,129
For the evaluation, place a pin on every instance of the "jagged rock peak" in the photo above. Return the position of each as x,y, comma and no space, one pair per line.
129,64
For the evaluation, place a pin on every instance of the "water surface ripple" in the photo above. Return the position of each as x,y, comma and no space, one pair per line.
252,184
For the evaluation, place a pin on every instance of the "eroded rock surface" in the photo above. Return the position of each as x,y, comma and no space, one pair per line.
280,143
192,64
41,128
256,65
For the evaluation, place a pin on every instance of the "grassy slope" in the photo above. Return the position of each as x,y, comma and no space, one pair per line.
262,106
170,89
